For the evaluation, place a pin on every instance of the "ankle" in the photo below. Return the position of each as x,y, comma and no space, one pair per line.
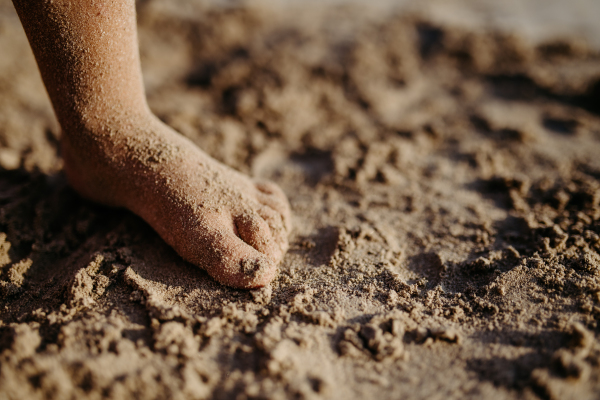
100,127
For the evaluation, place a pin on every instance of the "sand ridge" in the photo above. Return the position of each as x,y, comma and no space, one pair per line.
446,198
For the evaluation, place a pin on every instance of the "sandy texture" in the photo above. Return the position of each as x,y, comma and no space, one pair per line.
446,198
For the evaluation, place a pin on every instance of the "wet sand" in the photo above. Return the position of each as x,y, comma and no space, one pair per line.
445,184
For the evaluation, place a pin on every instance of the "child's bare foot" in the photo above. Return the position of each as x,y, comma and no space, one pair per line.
217,218
116,152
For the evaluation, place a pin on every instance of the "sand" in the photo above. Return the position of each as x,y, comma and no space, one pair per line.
445,185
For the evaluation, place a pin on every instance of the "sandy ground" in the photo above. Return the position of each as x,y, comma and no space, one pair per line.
445,184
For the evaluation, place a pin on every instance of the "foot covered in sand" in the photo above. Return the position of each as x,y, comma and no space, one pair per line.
232,226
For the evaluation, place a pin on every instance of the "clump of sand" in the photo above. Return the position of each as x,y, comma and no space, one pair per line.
446,195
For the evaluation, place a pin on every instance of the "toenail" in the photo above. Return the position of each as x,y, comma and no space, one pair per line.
252,267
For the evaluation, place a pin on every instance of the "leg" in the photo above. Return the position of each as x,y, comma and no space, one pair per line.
117,153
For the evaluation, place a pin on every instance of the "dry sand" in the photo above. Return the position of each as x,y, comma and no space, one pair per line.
445,185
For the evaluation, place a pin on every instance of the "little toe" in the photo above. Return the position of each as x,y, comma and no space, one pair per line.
269,187
235,263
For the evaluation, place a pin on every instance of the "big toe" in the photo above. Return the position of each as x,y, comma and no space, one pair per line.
235,263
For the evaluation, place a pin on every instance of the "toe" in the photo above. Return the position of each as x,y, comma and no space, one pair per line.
272,196
235,263
280,206
277,227
255,231
269,187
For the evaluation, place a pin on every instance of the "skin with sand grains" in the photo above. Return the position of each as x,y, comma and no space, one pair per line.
117,153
